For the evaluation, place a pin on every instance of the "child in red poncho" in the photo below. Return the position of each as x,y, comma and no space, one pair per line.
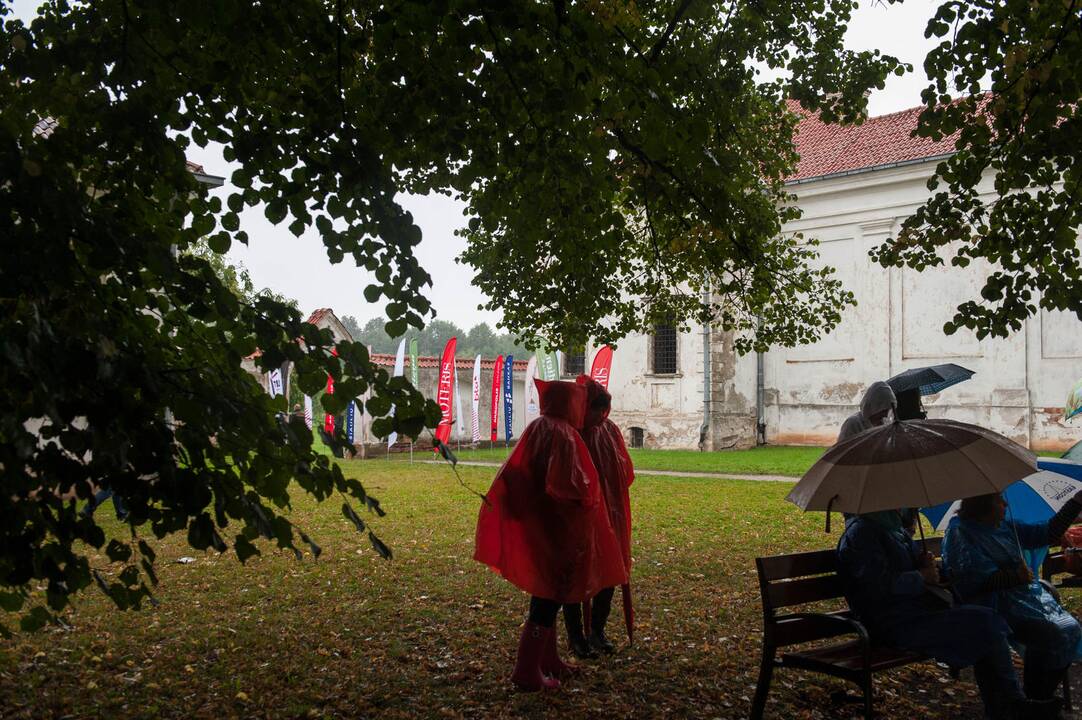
615,473
545,529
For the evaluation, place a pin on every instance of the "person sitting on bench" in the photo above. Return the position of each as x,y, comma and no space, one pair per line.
982,554
888,583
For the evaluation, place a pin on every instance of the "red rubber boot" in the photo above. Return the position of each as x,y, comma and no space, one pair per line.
527,675
551,664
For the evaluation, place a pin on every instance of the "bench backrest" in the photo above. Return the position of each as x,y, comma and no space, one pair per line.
1054,564
799,579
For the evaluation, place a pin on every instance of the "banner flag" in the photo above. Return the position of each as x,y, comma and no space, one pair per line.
445,391
415,372
508,405
460,422
599,371
351,422
398,362
497,380
476,399
532,401
275,382
328,419
308,411
559,364
548,368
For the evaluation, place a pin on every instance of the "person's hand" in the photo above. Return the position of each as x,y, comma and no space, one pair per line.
926,559
930,574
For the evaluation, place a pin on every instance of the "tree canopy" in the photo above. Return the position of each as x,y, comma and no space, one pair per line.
479,340
622,163
1006,81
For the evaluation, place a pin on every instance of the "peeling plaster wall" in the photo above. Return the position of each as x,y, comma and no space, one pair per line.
1021,381
1020,385
669,408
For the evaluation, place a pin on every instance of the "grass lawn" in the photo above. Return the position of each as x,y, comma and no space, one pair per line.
767,460
432,633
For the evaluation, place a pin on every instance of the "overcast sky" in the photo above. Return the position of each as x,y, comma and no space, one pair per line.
298,267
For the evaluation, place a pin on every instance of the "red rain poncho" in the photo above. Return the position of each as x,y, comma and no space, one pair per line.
614,467
545,527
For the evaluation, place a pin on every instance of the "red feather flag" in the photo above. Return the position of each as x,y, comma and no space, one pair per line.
497,381
599,371
328,419
445,393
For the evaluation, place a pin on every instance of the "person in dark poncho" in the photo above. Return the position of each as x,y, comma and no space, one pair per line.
890,585
616,473
982,554
544,528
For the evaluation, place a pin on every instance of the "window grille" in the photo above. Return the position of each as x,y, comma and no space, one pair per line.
637,437
575,362
663,361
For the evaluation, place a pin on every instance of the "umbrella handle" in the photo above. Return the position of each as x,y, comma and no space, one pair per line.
830,503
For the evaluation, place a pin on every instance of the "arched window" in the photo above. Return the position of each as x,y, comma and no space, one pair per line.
663,355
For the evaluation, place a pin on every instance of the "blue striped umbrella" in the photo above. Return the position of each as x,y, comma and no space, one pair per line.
1032,499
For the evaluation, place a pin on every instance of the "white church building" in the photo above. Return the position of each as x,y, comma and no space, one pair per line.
855,186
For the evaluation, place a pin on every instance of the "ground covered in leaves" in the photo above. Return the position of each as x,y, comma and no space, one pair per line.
432,633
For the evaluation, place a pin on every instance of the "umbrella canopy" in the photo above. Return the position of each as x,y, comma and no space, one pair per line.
914,463
929,380
1074,454
1033,499
1074,402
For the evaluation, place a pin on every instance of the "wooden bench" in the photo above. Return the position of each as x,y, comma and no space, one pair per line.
1056,564
786,581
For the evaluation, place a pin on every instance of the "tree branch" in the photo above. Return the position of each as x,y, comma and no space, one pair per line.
665,36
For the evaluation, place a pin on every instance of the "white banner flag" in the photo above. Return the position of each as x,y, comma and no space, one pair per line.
532,407
476,398
275,382
460,425
308,411
399,362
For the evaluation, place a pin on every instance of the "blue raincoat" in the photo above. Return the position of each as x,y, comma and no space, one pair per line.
973,552
885,590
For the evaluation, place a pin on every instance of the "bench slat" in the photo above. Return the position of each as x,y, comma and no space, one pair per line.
816,562
804,590
795,630
784,567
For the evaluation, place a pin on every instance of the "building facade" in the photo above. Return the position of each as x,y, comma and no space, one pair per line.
855,187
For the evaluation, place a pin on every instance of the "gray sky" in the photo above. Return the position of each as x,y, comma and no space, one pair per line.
298,267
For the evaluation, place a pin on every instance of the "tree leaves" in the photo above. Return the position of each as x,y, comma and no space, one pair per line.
609,190
1008,91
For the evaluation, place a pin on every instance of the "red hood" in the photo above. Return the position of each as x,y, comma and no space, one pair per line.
564,400
594,390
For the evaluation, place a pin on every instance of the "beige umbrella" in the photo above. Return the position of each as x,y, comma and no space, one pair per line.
913,463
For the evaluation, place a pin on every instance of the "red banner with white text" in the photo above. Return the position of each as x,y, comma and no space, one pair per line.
445,392
599,371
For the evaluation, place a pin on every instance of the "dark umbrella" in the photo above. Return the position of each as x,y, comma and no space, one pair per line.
929,380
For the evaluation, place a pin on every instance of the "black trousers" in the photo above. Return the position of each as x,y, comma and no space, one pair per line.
543,612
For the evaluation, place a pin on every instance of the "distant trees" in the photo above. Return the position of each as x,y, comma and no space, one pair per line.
480,339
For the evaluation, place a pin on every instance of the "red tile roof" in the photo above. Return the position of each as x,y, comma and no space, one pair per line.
462,363
44,128
884,140
317,315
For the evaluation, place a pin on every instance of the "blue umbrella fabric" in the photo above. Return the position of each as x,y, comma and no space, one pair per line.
1033,499
931,379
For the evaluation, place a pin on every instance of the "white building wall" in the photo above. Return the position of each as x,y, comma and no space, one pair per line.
1021,381
1019,388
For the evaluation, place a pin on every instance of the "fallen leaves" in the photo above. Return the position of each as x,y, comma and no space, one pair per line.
433,634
